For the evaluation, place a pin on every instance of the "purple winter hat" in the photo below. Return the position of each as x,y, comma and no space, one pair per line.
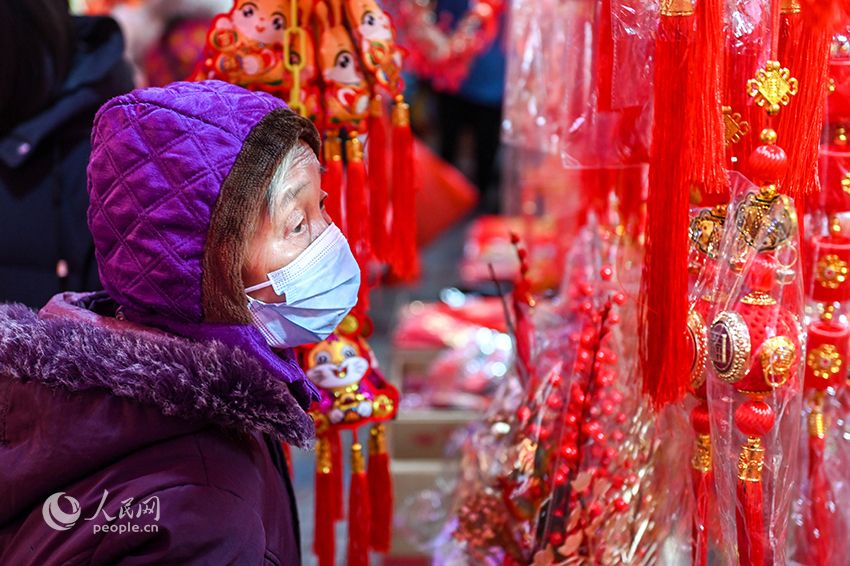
176,180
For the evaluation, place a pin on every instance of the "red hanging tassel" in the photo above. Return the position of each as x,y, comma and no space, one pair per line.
804,50
703,483
820,519
332,179
380,490
357,214
405,259
664,286
750,522
754,418
337,467
324,539
378,183
704,105
358,508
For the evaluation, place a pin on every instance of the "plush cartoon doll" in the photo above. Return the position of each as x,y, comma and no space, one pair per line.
345,88
354,393
381,55
245,45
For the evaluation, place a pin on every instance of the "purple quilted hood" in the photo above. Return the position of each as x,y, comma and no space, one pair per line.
176,180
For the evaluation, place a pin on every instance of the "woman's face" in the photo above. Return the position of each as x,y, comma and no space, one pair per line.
282,234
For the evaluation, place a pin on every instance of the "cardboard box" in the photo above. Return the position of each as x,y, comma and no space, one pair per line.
425,433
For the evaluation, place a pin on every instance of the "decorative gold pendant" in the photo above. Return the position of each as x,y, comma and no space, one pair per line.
706,230
772,87
789,6
777,358
677,7
831,271
697,332
735,127
845,183
824,361
729,346
763,226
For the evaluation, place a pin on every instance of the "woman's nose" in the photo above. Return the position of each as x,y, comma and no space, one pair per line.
317,227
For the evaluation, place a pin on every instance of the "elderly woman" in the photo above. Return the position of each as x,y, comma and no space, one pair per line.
142,425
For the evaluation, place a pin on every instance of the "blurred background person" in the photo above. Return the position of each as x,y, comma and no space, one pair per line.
57,71
475,108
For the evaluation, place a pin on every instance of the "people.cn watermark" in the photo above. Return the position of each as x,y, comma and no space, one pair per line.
61,512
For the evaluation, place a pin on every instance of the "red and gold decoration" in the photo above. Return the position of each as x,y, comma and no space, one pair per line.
354,394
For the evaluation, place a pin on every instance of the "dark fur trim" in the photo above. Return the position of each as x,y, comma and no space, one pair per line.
207,382
238,207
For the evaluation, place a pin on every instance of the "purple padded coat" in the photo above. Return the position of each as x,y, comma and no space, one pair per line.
142,425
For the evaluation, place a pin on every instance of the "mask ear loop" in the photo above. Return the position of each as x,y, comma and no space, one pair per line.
258,286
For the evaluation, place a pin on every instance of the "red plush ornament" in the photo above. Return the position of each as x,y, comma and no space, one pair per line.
354,394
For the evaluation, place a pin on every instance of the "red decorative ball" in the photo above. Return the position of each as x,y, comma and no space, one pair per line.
768,163
620,505
700,419
607,272
762,274
754,418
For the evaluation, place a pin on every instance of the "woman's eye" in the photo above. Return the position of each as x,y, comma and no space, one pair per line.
248,11
277,23
300,228
322,202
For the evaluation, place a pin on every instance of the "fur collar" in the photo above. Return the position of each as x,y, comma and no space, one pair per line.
199,381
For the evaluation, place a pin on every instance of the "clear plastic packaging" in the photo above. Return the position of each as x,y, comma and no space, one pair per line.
755,349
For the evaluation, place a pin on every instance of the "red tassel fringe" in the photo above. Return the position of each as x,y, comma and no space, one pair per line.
338,468
752,541
358,509
357,216
405,259
804,50
820,519
664,293
324,539
378,182
380,492
704,107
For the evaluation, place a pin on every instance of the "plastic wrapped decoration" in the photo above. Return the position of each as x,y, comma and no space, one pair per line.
439,53
353,394
755,347
576,92
820,518
706,232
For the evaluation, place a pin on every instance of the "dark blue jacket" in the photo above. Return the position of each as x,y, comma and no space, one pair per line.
43,161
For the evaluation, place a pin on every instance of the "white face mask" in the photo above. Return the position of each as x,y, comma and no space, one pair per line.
320,287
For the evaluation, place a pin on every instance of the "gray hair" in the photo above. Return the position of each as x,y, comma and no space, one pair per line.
300,155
